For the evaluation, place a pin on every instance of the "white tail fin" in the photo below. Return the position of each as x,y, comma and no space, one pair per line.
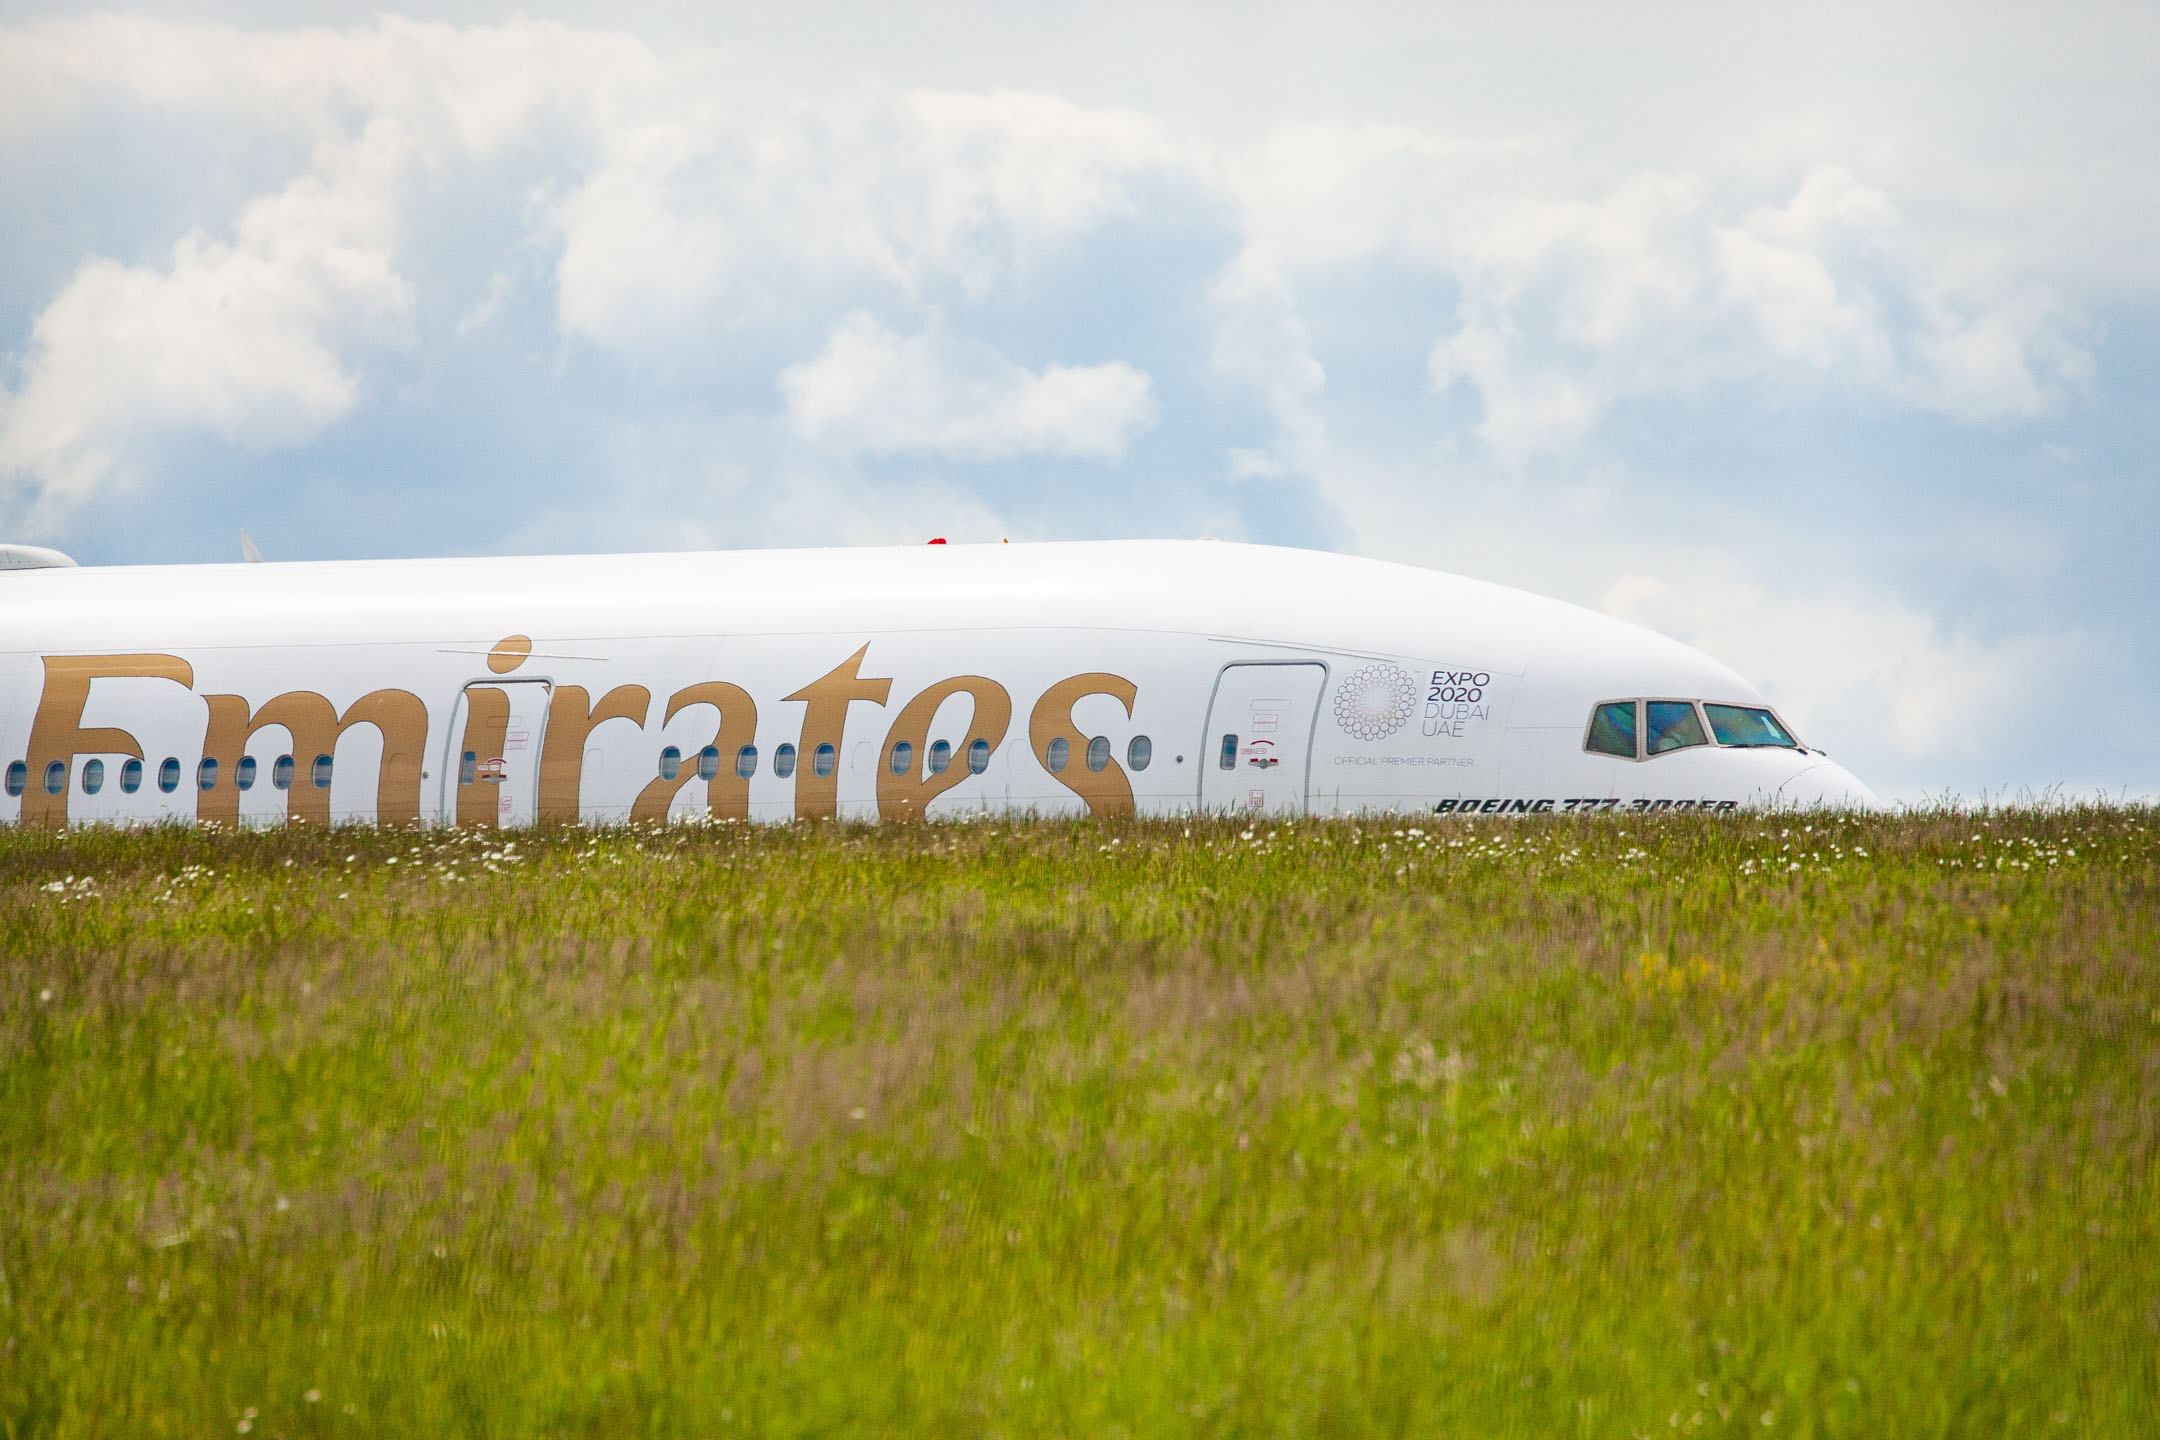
248,552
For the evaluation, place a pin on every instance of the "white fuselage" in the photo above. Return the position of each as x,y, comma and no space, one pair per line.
1151,676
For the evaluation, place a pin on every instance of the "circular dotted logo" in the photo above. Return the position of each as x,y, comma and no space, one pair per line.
1376,701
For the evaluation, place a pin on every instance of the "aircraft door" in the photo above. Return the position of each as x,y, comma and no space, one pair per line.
1259,738
492,780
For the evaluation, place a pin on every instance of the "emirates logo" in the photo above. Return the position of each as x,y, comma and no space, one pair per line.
1376,701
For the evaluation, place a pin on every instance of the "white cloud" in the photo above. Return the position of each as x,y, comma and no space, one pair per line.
1577,293
1570,307
683,205
456,89
1850,662
1260,341
876,392
993,177
690,198
704,214
1864,667
1773,267
483,310
258,338
236,338
633,267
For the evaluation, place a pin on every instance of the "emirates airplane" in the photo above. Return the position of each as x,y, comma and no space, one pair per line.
1148,677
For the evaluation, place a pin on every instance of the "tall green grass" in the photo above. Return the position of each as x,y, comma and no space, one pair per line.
1773,1125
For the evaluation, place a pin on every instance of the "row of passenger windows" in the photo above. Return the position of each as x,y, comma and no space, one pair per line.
92,778
900,759
1641,729
824,760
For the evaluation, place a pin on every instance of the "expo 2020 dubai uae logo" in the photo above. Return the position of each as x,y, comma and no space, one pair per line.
1376,701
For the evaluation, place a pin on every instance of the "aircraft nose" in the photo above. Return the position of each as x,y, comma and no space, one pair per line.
1826,785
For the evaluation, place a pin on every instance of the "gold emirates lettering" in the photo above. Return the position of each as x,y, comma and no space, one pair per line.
727,794
1107,791
562,752
56,733
826,700
315,726
906,796
571,720
487,723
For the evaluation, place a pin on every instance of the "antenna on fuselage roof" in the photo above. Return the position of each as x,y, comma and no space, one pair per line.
248,552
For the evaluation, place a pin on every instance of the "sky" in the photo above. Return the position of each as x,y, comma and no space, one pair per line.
1825,341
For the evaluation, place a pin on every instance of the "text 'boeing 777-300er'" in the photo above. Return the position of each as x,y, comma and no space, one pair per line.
1149,677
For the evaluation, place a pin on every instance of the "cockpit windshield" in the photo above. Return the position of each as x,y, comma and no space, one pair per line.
1664,726
1612,730
1745,725
1673,726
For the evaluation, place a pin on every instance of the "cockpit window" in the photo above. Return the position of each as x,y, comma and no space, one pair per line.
1668,725
1612,730
1673,725
1745,725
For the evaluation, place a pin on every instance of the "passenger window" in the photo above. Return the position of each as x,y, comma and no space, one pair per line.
1746,725
1139,753
1227,760
708,762
978,757
1612,730
1673,725
746,762
168,775
467,767
783,761
281,771
938,758
130,776
824,760
18,778
206,773
244,773
670,763
56,777
1098,754
1057,753
902,757
320,772
93,776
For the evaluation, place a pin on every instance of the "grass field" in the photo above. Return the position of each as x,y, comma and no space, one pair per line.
1765,1126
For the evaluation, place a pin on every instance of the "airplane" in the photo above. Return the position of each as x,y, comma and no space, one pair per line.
1148,677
